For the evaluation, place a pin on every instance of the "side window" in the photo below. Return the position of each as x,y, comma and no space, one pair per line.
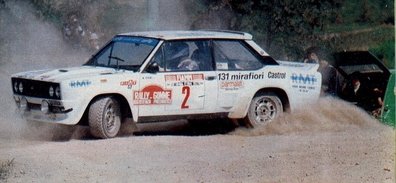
176,55
202,55
233,55
184,55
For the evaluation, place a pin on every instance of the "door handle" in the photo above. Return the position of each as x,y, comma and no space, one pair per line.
210,78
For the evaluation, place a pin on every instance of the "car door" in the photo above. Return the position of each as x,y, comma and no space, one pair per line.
184,84
237,67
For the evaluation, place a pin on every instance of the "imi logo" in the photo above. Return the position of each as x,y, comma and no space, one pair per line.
303,79
78,84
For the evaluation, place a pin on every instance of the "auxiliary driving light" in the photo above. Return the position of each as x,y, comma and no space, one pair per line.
45,107
23,104
17,101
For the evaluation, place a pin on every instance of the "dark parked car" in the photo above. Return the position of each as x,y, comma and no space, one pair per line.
363,79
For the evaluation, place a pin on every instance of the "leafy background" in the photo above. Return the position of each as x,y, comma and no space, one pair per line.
284,28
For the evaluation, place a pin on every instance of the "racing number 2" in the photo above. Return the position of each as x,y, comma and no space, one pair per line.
186,93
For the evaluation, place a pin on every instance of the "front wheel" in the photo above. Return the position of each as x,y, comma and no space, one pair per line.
263,109
104,118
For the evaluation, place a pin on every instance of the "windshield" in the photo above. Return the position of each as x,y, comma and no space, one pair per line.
124,52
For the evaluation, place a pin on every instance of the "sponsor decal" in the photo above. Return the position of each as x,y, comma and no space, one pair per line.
184,80
241,76
128,83
303,83
277,75
136,40
184,77
78,84
152,94
304,79
231,85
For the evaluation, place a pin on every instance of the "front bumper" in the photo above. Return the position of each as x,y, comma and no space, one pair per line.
45,110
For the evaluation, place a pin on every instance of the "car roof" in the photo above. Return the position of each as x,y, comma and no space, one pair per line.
192,34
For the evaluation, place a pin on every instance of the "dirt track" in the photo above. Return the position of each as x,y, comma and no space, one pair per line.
294,149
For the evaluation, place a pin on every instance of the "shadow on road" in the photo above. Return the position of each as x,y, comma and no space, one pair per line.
60,133
184,128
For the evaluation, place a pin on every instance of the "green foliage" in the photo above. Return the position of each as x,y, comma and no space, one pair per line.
196,8
285,22
5,169
360,39
46,11
113,19
287,27
385,52
367,11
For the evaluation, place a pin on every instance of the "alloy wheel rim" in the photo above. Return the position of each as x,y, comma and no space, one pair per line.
110,118
265,110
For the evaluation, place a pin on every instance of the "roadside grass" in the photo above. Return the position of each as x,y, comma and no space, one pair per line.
379,40
370,36
337,28
363,39
5,168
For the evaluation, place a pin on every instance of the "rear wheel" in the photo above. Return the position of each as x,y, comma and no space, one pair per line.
263,109
104,117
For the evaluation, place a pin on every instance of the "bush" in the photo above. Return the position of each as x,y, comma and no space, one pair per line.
385,52
5,168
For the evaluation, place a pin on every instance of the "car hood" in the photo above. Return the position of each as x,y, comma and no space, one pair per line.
58,75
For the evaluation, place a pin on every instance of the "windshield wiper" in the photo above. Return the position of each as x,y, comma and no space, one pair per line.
118,59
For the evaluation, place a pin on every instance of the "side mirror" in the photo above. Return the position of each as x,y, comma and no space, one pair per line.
152,68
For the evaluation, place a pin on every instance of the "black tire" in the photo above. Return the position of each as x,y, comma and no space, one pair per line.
263,109
104,118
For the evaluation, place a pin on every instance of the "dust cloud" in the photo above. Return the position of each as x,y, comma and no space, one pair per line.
327,115
28,43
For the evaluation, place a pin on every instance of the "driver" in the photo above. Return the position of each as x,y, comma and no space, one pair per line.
188,64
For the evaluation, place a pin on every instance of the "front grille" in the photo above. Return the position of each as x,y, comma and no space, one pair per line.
54,109
34,88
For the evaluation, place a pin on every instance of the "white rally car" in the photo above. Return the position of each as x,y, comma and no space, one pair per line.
167,75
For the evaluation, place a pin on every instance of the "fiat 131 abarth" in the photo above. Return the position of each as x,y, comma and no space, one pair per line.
167,75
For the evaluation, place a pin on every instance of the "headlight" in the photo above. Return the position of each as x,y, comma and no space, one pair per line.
16,86
57,92
20,87
51,91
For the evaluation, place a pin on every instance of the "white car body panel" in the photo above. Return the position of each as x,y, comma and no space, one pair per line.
174,93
